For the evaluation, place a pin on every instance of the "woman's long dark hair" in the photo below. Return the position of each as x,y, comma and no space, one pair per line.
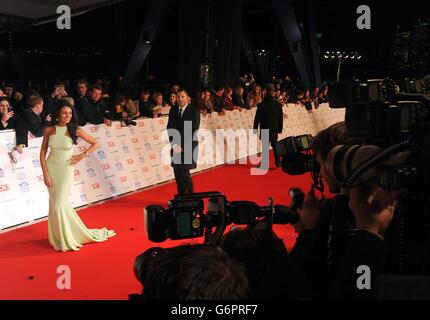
72,126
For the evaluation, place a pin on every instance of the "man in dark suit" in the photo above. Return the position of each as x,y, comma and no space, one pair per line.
269,116
33,116
184,121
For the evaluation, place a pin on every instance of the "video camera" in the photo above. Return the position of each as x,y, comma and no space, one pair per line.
390,134
392,131
298,158
186,217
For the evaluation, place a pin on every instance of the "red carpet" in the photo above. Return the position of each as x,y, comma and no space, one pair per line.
28,265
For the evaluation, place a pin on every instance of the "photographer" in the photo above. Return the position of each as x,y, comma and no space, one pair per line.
272,274
373,209
189,272
325,228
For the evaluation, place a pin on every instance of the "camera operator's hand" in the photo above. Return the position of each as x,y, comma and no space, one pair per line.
373,208
310,210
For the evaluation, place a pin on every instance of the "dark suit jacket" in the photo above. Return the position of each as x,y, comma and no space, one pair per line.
78,104
34,123
50,106
17,124
185,141
366,249
93,112
269,116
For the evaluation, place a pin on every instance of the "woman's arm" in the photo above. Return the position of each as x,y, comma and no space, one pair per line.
43,151
86,137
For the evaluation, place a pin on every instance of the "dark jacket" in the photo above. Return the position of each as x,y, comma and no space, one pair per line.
269,116
16,123
321,250
192,116
78,103
239,101
35,124
93,112
218,103
50,106
145,109
365,250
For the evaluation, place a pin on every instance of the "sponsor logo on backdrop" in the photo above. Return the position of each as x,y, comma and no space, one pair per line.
119,166
141,124
24,186
4,187
141,159
111,144
125,149
2,174
108,134
123,179
161,121
106,166
95,186
94,129
145,169
101,154
135,140
130,161
10,146
91,172
138,185
112,189
40,178
152,156
21,176
36,163
77,173
148,146
155,137
83,197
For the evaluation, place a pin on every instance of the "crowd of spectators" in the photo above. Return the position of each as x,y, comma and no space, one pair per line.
27,110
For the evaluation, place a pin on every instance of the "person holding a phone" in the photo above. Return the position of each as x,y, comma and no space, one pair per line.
8,120
53,100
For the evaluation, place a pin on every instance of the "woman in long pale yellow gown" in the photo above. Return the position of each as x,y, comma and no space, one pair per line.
66,230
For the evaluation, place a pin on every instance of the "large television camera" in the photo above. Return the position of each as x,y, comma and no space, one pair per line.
391,148
186,216
392,131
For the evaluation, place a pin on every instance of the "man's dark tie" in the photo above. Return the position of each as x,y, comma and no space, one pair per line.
180,112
